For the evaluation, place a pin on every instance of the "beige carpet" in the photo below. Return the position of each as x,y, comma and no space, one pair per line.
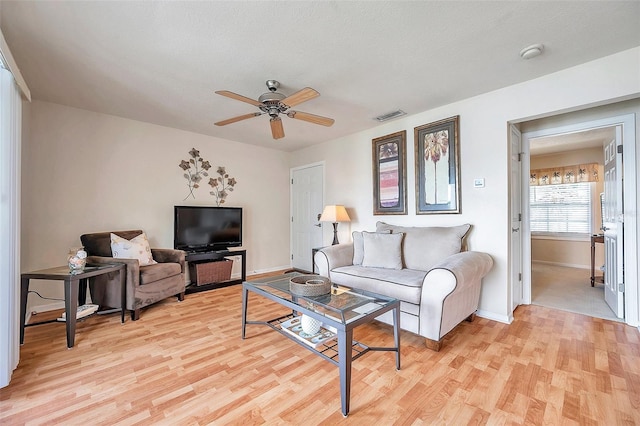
568,289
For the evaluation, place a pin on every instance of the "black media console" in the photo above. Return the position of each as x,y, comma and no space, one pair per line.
212,256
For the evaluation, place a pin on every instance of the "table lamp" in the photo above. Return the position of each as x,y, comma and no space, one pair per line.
334,214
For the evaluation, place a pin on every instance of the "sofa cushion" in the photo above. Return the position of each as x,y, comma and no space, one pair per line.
136,248
402,284
158,271
382,250
424,247
358,246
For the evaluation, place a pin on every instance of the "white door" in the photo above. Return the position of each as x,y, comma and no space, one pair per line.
306,207
613,226
516,217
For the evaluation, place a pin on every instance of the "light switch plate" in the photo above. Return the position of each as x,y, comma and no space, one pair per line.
478,183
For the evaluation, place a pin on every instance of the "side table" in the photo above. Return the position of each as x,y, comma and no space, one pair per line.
595,239
72,283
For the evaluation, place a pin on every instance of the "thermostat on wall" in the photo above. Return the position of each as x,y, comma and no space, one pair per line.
478,183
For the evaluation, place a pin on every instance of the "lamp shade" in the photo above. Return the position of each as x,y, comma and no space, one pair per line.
334,214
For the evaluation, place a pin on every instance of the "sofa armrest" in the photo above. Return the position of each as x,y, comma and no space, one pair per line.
451,292
333,257
132,267
169,256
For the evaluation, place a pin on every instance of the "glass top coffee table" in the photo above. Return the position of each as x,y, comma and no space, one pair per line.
340,312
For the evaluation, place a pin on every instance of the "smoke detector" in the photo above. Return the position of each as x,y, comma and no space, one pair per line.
531,51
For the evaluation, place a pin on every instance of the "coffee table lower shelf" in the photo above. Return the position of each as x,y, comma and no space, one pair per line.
327,351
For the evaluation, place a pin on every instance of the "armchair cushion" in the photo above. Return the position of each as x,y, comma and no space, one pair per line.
158,271
136,248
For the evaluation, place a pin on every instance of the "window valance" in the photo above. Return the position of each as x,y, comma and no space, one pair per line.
566,174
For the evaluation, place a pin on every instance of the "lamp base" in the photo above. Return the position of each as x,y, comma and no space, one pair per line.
335,234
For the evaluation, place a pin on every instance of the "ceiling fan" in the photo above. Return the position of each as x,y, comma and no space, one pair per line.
274,104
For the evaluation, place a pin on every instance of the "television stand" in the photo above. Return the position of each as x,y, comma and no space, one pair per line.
212,256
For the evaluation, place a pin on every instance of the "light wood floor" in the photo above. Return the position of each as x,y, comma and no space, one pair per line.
185,363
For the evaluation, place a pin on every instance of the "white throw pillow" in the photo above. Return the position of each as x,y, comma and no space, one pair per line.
136,248
358,246
382,250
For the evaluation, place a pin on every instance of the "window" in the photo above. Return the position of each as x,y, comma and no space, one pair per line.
561,209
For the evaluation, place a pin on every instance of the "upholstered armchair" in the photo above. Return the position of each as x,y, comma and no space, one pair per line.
145,284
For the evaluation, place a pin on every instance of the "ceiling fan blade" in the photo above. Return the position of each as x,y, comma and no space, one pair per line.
238,118
311,118
300,96
238,97
276,128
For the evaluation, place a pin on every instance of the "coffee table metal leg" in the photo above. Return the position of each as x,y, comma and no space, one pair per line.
245,296
345,339
396,335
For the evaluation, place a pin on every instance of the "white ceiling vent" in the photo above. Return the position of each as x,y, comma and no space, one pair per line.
391,115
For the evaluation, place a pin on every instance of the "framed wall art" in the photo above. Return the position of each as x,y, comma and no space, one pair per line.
389,174
437,153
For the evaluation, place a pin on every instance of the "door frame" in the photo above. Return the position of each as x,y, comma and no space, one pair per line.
292,170
630,186
516,258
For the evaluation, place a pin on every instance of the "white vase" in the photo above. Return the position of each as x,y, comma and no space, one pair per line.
309,324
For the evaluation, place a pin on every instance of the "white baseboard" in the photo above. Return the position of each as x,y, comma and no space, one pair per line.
267,270
566,265
494,317
38,309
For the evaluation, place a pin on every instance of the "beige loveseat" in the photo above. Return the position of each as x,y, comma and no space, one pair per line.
437,283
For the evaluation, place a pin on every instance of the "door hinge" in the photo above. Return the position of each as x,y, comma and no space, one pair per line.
519,217
292,181
621,287
520,276
291,218
619,149
520,156
292,257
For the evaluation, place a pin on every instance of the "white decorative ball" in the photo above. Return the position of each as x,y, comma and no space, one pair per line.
309,324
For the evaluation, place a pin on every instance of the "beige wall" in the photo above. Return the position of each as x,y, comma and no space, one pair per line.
571,252
86,172
484,151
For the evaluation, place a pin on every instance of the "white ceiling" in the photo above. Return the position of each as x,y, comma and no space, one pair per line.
592,138
160,62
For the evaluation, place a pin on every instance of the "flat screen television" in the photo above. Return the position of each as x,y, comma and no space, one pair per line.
204,228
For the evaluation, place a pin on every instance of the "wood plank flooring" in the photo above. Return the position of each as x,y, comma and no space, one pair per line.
184,363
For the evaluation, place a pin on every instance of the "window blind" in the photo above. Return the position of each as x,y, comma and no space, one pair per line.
561,209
